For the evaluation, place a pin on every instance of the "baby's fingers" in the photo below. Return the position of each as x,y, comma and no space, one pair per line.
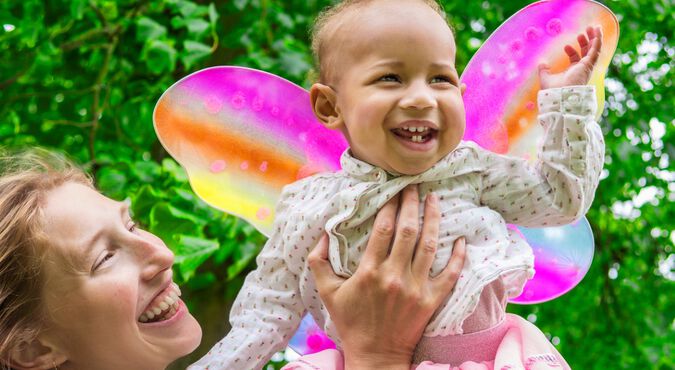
584,45
572,54
596,46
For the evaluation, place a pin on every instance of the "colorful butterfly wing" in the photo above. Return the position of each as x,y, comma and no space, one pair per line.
241,135
500,100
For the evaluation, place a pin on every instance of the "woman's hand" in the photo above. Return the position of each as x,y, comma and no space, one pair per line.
381,311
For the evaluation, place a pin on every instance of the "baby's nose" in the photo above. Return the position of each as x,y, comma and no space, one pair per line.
419,97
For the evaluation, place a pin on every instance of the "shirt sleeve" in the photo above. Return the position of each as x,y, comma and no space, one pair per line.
266,312
560,187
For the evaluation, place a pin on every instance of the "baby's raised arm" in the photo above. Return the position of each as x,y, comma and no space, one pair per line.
561,186
581,62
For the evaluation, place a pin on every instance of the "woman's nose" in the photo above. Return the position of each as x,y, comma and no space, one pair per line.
155,257
418,96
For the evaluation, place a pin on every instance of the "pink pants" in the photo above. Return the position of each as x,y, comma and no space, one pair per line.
514,344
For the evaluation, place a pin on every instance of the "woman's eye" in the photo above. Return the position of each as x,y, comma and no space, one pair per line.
390,78
105,258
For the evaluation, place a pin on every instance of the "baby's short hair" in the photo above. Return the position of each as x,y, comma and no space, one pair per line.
332,13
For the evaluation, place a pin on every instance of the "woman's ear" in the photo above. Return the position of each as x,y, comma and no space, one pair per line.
462,88
323,99
34,355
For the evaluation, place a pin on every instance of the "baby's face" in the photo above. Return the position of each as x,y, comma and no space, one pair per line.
398,95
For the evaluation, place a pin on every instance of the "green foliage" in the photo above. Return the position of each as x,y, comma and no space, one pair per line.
83,76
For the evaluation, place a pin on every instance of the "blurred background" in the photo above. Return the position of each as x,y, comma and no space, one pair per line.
83,76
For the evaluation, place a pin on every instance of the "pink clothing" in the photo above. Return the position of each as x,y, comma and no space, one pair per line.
479,192
513,344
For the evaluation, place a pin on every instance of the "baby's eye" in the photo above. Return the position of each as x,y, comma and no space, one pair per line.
442,79
390,78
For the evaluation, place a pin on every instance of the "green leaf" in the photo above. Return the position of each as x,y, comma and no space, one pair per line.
191,252
160,56
143,200
194,51
148,29
109,9
112,181
189,9
177,172
240,4
202,280
213,15
248,252
146,171
77,8
167,222
196,26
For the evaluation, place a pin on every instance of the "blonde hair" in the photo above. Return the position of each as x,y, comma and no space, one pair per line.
25,179
319,31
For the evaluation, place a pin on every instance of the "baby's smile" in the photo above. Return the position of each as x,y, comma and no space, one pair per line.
414,133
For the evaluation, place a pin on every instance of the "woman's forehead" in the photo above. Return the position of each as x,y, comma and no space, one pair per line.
74,215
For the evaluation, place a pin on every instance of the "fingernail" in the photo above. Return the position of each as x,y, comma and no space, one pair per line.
433,198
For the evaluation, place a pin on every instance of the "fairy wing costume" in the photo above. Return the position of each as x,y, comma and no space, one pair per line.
242,134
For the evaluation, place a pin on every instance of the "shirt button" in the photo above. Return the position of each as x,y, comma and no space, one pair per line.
573,99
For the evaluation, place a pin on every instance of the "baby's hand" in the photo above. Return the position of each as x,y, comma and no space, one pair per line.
581,66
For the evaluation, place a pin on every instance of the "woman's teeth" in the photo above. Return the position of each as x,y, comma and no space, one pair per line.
164,307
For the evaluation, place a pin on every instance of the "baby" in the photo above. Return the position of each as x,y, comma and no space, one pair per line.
388,81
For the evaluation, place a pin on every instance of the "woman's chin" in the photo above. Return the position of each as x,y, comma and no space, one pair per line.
176,338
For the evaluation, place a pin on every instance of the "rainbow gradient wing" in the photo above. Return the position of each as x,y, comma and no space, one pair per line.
502,78
241,135
500,100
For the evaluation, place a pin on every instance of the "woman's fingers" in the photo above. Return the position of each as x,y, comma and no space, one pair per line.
446,280
377,248
407,228
428,243
326,279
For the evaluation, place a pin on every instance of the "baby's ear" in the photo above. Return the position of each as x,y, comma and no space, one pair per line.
34,355
323,99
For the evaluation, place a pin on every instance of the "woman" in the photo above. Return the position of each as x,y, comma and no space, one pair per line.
81,287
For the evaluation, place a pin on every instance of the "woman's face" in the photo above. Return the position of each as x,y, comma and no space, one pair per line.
109,292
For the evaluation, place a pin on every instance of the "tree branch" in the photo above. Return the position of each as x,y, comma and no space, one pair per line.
69,123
